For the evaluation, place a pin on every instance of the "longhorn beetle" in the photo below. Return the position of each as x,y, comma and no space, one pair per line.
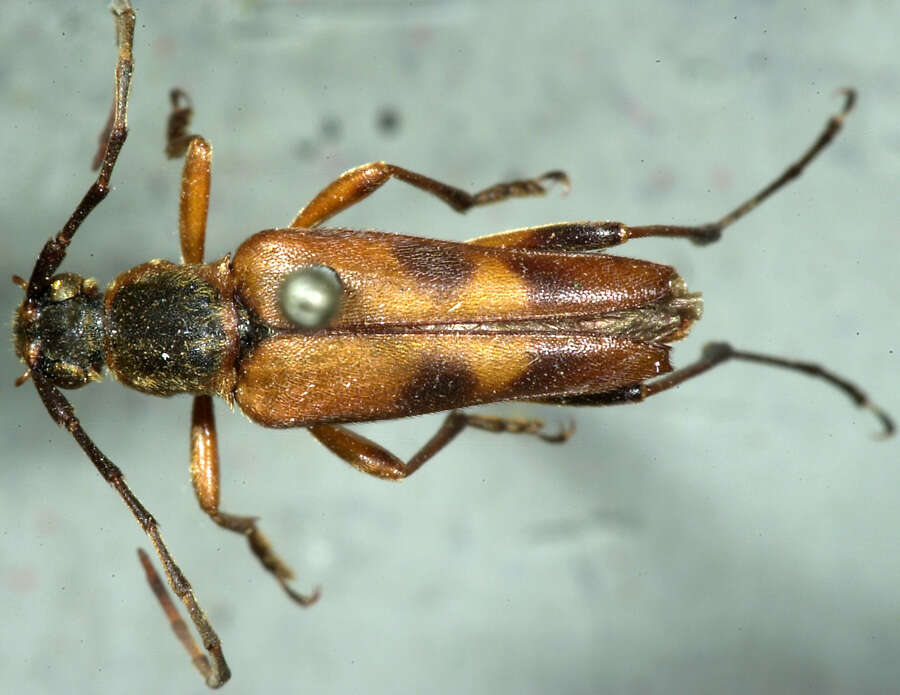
313,327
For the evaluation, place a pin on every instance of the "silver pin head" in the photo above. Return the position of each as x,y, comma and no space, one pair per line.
311,296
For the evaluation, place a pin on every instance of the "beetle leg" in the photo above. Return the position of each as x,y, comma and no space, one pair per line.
493,423
205,477
713,355
590,236
369,457
193,209
195,177
194,204
559,236
214,670
353,186
708,233
177,136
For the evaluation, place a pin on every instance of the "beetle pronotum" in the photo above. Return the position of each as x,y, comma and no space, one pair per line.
532,314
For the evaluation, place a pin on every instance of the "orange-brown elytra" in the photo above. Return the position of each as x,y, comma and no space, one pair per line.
318,328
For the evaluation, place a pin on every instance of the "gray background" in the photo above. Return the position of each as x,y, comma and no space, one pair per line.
739,535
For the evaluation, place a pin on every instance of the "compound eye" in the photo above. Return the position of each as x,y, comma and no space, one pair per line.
311,296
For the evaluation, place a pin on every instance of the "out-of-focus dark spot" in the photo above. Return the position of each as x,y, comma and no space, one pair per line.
331,128
306,149
388,121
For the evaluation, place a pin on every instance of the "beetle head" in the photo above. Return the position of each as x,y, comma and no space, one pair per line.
59,332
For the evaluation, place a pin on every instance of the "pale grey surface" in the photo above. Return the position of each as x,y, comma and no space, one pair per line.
740,535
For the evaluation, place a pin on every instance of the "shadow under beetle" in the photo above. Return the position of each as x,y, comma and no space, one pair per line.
312,327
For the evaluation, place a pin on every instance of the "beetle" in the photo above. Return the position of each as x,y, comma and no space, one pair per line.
424,326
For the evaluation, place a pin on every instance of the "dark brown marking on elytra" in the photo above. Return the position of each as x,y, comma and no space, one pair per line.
439,384
547,279
437,267
578,367
545,373
578,283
